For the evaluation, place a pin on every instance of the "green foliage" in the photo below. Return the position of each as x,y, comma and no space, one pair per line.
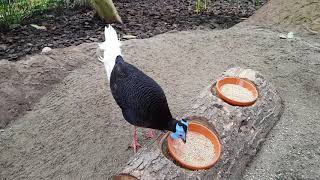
201,5
257,3
12,12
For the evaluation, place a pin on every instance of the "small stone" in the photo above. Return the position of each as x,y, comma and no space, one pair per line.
46,50
3,47
290,35
94,39
10,40
11,51
38,27
27,50
129,37
282,36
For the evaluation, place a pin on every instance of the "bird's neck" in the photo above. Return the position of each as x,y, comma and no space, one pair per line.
109,61
172,125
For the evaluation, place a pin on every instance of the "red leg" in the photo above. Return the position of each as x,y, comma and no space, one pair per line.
151,134
135,145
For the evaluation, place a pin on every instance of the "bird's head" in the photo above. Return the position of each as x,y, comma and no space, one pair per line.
181,130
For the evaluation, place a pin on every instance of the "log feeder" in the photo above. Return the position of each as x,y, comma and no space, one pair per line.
241,131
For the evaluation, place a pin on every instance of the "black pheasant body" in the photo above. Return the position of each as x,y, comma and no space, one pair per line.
141,99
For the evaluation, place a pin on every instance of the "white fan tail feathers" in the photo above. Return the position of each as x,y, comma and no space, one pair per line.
111,49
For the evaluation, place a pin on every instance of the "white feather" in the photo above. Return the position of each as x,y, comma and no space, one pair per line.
111,49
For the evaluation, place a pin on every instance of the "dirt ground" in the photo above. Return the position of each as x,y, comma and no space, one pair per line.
76,131
297,15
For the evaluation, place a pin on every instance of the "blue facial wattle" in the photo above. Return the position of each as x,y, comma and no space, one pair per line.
179,130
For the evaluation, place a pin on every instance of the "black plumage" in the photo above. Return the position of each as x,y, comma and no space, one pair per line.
141,99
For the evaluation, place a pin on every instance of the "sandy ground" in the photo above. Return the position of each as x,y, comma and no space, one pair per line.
76,131
297,15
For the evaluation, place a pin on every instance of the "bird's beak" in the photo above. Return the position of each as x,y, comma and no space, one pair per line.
184,140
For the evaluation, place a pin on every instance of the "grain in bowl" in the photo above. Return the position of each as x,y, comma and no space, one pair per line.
198,149
237,93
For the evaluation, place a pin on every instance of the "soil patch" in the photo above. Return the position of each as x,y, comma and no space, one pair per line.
22,83
298,15
68,27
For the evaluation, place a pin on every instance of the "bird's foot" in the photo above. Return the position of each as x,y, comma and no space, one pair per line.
135,145
151,134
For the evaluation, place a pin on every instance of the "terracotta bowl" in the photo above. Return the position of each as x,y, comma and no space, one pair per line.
237,81
199,128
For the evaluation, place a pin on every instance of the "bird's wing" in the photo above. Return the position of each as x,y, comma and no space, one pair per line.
132,117
141,99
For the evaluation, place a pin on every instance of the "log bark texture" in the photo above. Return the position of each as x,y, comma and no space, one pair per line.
107,11
242,130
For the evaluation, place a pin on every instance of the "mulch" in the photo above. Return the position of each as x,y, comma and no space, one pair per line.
143,19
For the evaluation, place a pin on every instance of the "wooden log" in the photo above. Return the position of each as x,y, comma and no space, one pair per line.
106,10
242,130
